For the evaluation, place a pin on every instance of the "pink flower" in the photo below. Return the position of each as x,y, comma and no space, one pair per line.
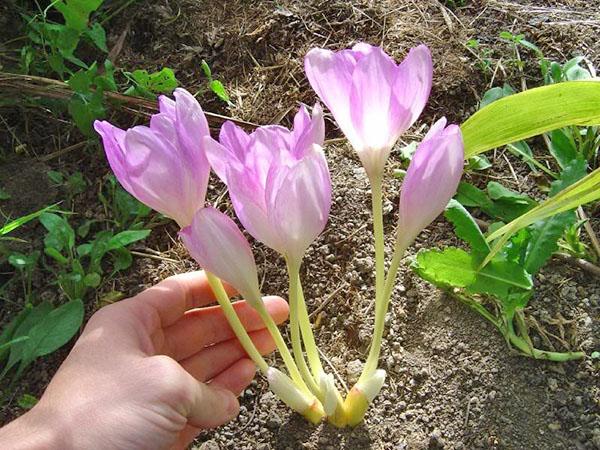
164,165
218,245
431,179
278,180
373,99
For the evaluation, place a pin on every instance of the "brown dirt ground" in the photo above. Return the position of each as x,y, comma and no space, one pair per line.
452,381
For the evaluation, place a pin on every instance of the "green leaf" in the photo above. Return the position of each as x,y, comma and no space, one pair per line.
55,176
72,284
4,195
469,195
77,12
563,148
544,239
496,93
478,162
466,228
92,280
18,350
448,268
27,401
97,35
125,238
122,259
572,173
56,255
500,279
584,191
13,225
22,262
217,87
8,332
57,328
530,113
60,234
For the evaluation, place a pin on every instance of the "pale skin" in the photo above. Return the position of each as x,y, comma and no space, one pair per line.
150,372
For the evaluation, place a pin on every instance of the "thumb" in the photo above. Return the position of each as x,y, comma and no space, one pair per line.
210,405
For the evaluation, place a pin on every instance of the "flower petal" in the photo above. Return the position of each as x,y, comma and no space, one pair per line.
413,83
330,75
431,180
300,208
218,245
113,140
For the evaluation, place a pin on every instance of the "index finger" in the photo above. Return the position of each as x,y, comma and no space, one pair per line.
172,297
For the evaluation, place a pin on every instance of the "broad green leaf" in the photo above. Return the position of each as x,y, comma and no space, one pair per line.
496,93
466,228
125,238
530,113
500,279
60,234
92,280
584,191
572,173
544,239
563,148
448,268
77,12
469,195
122,259
58,327
72,284
35,316
56,255
98,36
8,332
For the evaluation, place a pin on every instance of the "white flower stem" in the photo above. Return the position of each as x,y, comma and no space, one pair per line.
281,345
312,353
384,301
294,274
235,323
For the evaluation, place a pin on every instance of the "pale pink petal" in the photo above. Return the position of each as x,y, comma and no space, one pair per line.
217,244
235,139
431,180
413,83
308,130
330,75
112,139
301,207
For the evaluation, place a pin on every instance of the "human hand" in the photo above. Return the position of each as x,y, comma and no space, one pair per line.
149,372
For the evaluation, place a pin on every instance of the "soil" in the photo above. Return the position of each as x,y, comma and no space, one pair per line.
452,381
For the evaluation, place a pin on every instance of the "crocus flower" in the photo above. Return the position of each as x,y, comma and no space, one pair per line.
163,165
431,179
373,99
278,180
218,245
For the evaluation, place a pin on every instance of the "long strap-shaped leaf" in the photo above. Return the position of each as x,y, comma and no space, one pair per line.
584,191
527,114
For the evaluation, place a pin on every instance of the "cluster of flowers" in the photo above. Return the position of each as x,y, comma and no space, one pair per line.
280,188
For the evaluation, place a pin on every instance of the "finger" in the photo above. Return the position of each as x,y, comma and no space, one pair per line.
211,361
237,377
202,327
171,298
210,405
